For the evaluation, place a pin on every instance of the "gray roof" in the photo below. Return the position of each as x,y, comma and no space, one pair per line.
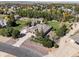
40,27
2,22
75,37
43,27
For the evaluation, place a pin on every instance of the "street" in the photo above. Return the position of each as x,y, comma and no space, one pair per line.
19,51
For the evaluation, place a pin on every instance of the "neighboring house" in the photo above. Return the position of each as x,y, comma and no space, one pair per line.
11,11
65,9
75,38
36,20
2,23
77,15
24,18
16,17
75,35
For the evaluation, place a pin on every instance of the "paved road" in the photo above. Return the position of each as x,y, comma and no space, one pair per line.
19,51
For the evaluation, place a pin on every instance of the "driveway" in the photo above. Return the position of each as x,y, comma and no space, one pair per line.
23,39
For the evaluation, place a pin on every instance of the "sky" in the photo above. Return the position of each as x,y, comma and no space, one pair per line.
40,0
61,1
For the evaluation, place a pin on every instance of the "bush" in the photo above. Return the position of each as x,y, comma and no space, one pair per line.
46,42
56,46
2,32
9,32
15,33
11,23
29,23
6,32
62,31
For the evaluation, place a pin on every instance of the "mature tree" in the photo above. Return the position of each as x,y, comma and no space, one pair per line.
1,11
62,31
11,23
15,33
6,31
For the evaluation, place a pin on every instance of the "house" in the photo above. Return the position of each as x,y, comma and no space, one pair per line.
24,18
34,20
75,38
40,27
65,9
11,10
2,23
37,20
16,17
77,15
75,35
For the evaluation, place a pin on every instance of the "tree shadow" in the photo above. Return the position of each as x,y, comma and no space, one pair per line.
21,35
16,25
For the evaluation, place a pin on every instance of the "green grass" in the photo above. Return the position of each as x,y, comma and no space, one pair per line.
18,27
57,27
21,24
55,24
67,23
46,42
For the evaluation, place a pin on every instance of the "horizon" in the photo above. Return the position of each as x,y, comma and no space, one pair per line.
68,2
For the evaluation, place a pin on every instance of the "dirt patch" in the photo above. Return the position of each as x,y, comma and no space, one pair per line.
35,46
12,41
4,39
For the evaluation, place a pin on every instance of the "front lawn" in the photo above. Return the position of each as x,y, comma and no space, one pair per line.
55,24
59,28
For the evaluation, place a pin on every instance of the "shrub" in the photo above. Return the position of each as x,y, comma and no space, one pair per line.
9,32
15,33
62,31
6,31
2,32
29,23
48,44
56,46
11,23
